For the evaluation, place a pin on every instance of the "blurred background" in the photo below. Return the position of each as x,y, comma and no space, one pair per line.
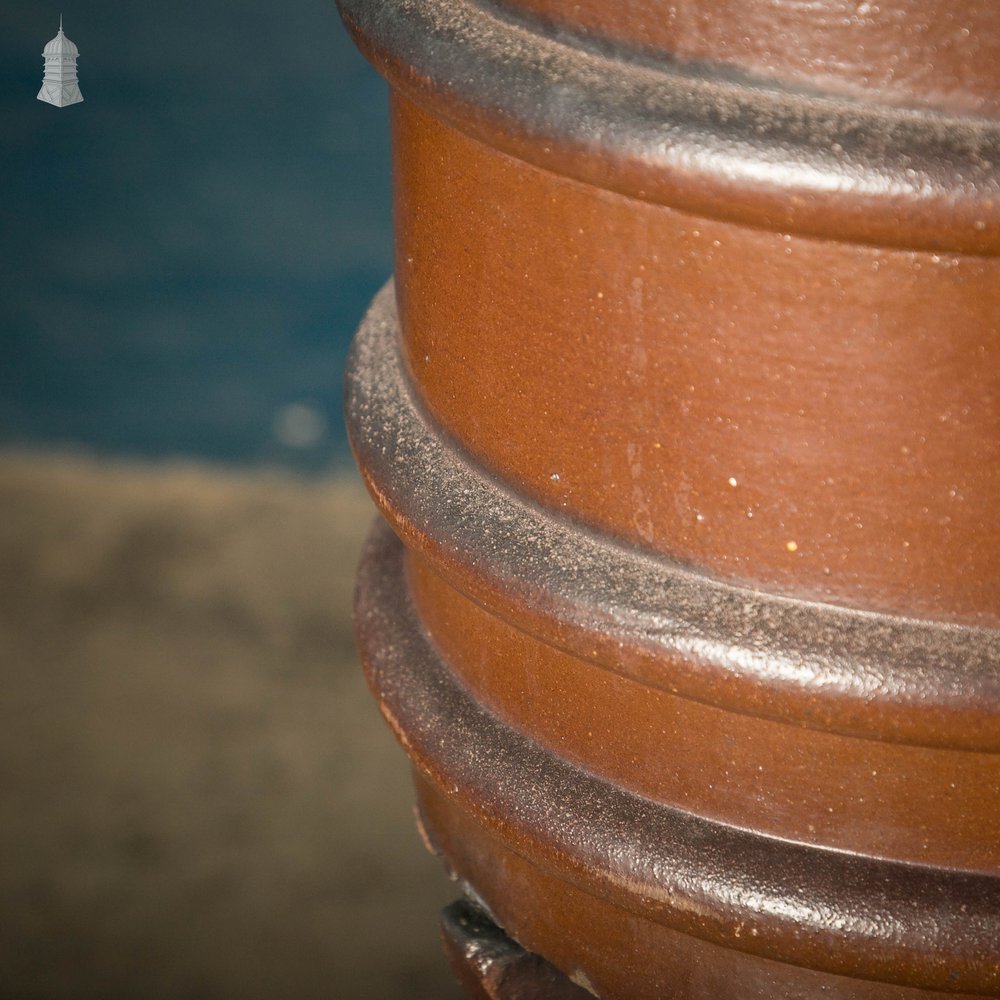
197,796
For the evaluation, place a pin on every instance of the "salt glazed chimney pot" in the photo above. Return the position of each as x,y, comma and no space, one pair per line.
683,418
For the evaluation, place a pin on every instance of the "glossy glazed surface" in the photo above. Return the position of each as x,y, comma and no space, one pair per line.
523,825
810,417
916,53
686,408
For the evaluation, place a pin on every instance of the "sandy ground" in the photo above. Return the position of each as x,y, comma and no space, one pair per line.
198,798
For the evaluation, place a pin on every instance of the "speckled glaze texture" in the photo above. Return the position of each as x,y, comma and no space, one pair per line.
911,53
649,618
763,406
684,414
780,159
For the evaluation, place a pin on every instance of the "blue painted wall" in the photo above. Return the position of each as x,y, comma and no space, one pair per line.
185,254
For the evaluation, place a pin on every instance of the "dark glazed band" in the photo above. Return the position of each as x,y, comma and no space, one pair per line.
828,910
762,157
814,665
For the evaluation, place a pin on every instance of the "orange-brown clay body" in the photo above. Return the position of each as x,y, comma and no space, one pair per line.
686,408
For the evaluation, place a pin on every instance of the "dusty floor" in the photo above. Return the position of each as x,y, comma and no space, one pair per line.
197,796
